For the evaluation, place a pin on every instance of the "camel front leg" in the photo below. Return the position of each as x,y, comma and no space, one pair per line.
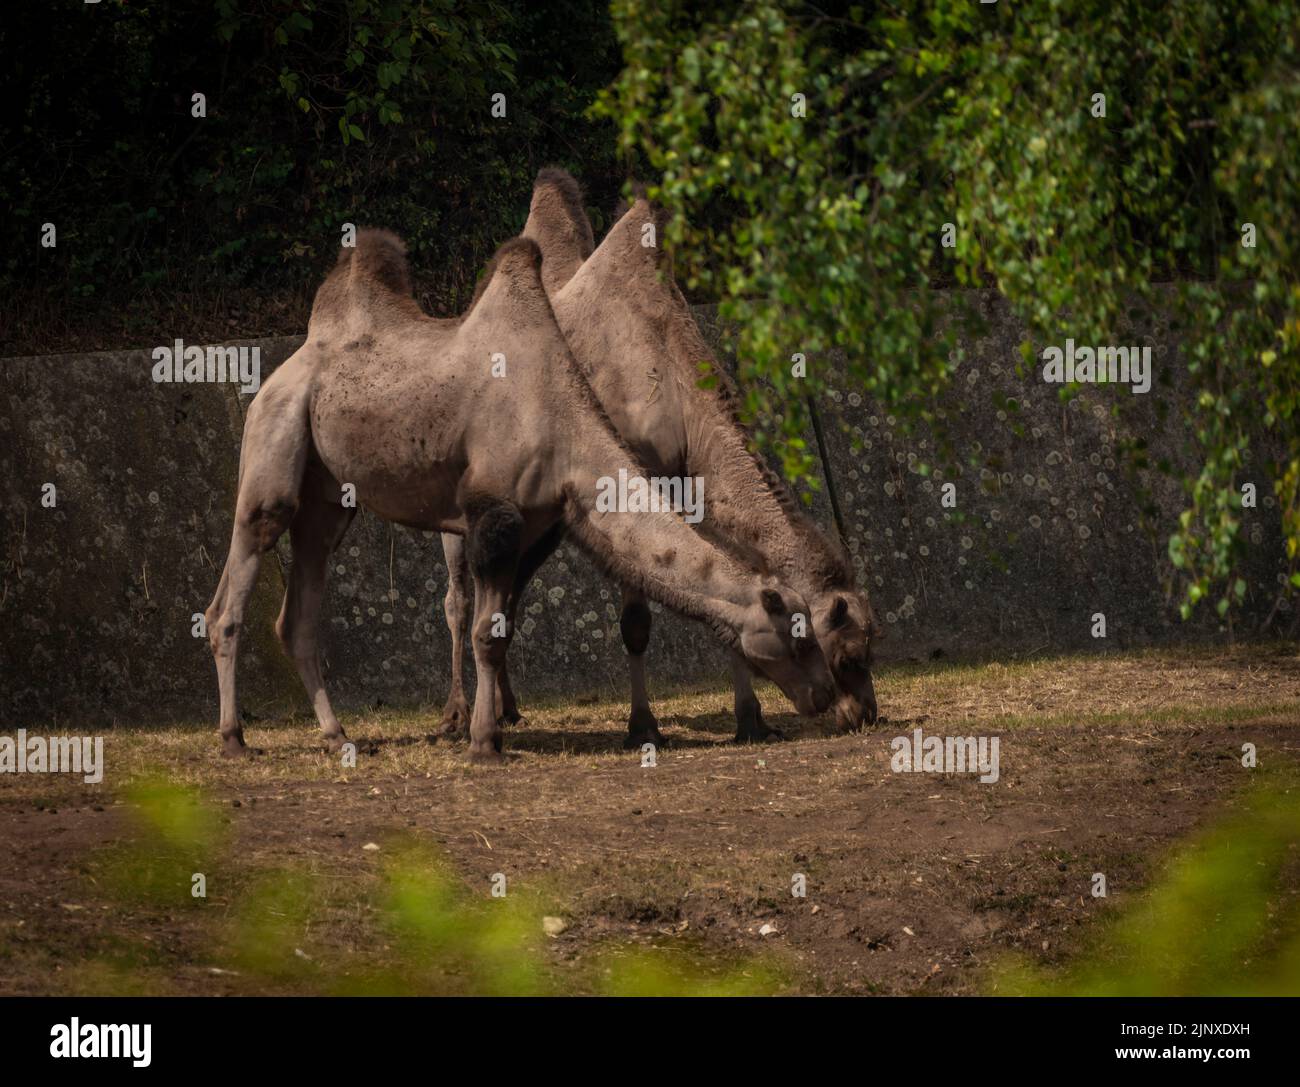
634,624
494,543
455,714
750,726
491,633
529,563
507,706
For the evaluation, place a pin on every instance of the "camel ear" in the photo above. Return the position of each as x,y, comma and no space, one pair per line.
839,613
772,602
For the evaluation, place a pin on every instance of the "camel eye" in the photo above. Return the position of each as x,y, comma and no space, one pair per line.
856,656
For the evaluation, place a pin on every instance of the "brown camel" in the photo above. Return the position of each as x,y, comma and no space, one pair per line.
483,426
633,335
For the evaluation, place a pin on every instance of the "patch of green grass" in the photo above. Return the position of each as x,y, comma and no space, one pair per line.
1222,920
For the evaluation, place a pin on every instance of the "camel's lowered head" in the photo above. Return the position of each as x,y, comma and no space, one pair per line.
777,640
846,629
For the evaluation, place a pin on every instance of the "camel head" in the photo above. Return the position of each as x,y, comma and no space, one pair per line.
772,641
845,627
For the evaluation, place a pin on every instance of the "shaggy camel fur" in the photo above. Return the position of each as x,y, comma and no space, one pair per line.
482,426
634,337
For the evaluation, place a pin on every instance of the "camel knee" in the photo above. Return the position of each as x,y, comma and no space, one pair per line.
264,522
211,618
491,640
634,624
223,632
455,603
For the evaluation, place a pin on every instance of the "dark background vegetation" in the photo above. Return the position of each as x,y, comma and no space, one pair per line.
363,111
816,233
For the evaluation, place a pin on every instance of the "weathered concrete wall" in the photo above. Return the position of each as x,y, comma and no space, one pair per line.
97,593
1051,525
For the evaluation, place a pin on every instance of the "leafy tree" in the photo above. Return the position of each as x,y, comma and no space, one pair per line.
812,159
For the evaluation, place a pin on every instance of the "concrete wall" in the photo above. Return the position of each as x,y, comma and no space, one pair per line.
97,593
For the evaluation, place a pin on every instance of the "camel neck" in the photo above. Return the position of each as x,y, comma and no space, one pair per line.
750,504
635,527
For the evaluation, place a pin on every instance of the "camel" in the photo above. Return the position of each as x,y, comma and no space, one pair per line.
482,426
639,347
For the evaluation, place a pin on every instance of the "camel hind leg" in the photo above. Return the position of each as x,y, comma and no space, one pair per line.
272,460
252,536
316,531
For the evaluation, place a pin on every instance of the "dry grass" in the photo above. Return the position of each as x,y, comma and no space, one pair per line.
1184,688
1108,760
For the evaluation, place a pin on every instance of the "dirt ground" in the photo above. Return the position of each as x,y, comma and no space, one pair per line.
916,883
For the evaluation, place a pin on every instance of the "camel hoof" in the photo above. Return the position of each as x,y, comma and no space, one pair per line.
643,728
771,736
455,717
513,720
486,756
236,749
332,745
757,731
634,740
847,724
752,729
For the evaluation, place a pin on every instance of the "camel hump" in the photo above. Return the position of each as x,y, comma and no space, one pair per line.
371,275
641,209
564,185
638,231
558,207
516,270
378,259
518,256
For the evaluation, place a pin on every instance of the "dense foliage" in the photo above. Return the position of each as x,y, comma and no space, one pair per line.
814,154
317,114
831,165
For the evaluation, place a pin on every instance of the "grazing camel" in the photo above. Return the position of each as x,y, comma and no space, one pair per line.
633,335
482,426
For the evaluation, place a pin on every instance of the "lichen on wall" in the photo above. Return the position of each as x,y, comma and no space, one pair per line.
98,593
